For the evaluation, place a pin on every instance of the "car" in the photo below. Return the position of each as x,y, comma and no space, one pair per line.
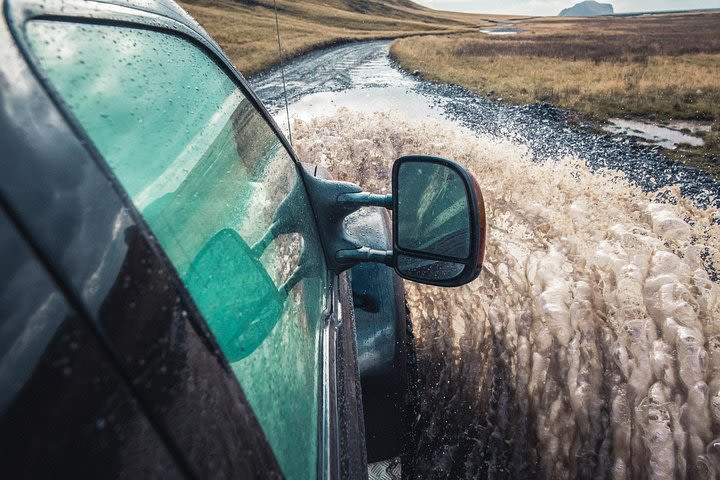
180,296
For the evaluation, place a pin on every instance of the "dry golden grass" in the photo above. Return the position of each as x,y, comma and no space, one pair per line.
658,67
246,29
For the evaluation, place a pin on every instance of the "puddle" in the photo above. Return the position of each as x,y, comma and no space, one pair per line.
405,103
499,31
501,28
667,136
371,86
695,127
379,72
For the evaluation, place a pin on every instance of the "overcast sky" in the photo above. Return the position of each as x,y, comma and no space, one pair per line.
553,7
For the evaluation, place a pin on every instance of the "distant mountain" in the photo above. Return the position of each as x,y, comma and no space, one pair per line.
589,8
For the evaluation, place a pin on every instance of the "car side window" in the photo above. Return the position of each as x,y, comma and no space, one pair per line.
223,197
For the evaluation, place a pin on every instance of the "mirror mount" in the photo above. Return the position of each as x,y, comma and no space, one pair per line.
365,255
438,227
365,199
332,201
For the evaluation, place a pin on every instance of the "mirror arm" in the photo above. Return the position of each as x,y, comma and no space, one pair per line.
290,283
363,255
259,248
332,201
365,199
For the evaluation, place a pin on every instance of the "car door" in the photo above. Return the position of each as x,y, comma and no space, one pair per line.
192,152
63,399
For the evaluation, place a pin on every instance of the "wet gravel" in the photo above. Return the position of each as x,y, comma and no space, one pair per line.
548,132
325,70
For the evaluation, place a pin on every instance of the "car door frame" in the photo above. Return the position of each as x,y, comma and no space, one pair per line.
339,399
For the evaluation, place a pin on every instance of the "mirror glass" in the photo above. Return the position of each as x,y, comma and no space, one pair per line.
423,269
432,214
243,311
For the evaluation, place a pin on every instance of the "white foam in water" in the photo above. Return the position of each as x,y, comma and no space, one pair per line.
595,299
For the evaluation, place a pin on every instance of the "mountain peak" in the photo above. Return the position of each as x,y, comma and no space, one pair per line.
589,8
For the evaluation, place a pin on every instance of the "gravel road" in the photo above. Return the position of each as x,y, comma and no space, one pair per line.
361,75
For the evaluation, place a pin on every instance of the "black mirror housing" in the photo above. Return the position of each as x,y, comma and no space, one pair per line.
439,225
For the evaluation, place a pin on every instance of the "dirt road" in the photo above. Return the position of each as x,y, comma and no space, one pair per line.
360,76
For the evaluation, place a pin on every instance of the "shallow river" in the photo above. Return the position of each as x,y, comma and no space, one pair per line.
590,344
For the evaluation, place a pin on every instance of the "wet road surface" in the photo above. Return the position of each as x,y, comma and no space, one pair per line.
361,76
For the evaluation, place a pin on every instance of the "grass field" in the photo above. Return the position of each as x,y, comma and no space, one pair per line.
659,67
245,29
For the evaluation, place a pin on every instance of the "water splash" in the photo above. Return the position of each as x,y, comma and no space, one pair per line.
590,344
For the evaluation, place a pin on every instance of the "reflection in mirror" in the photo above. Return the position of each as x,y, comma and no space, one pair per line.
432,210
423,269
235,293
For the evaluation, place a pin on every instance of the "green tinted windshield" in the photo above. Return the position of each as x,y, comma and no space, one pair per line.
210,177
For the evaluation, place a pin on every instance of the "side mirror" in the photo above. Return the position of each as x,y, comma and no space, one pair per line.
438,221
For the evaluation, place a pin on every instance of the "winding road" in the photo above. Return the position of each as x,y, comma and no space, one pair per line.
362,76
